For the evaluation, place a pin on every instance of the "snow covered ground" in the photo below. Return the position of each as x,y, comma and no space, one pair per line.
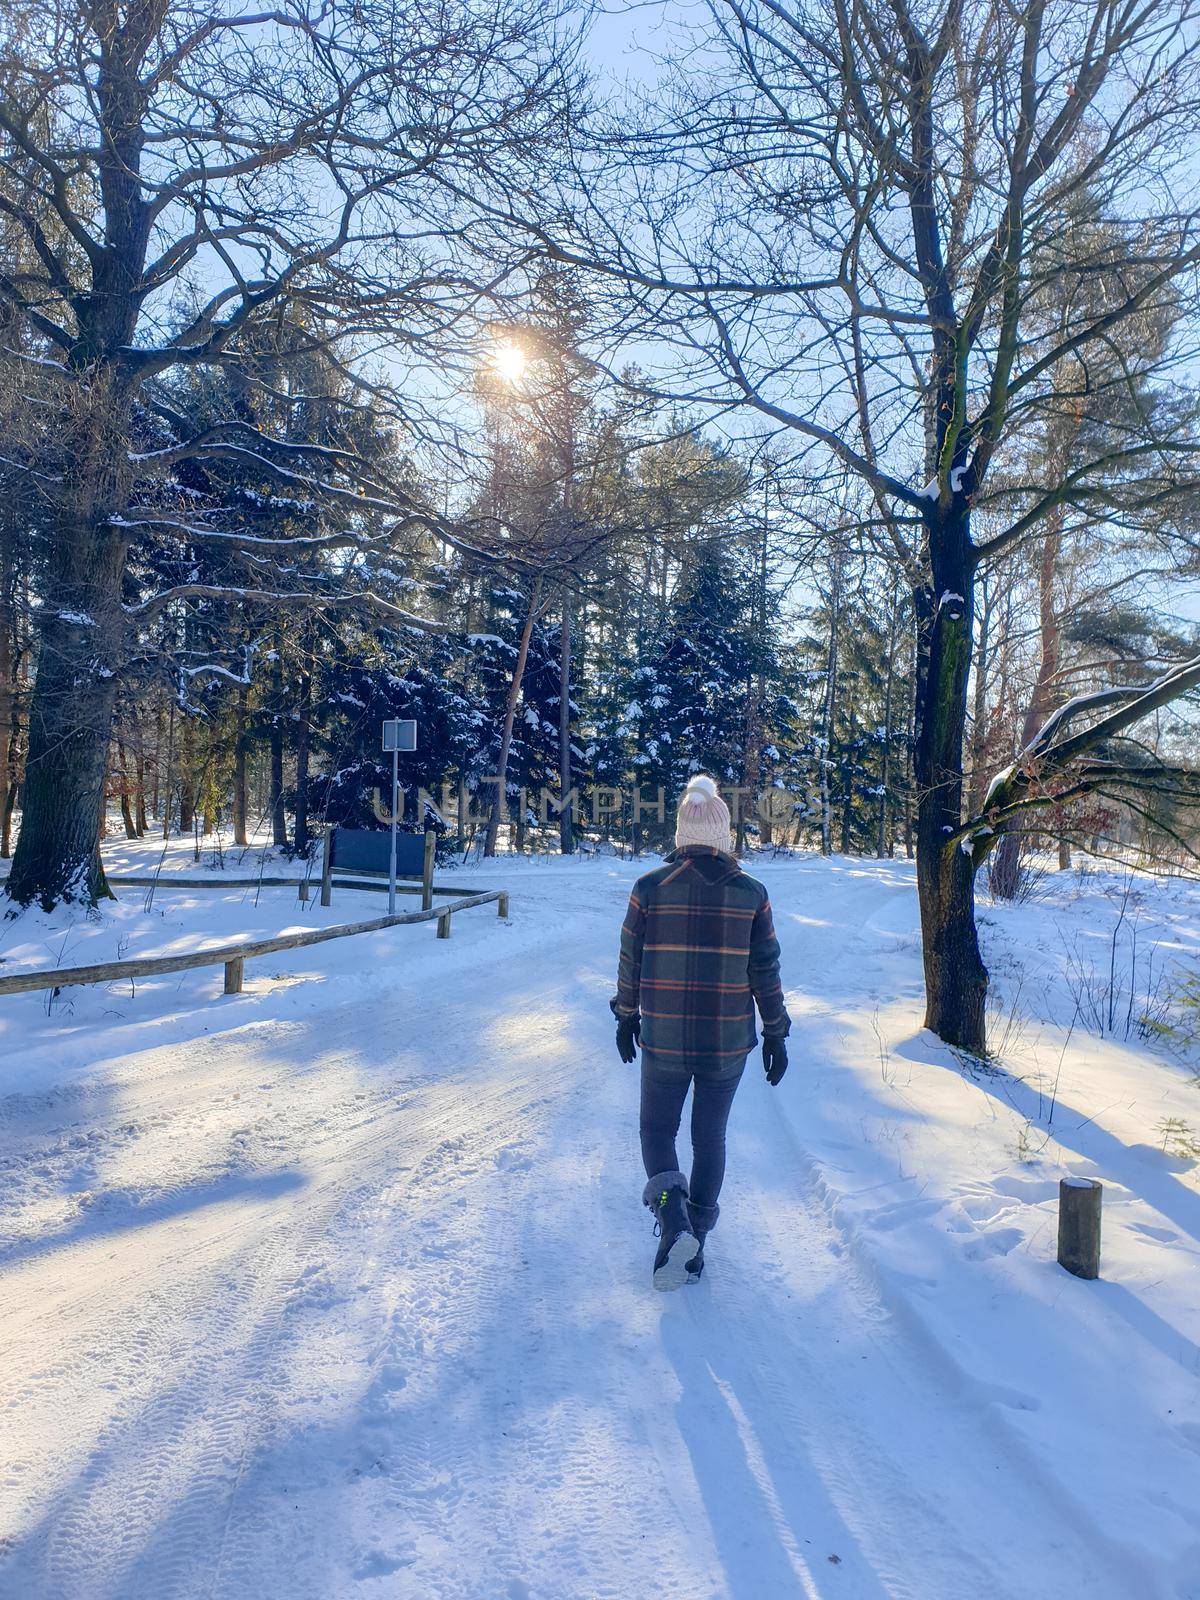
341,1286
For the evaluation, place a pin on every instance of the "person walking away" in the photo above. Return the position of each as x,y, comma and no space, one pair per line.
698,951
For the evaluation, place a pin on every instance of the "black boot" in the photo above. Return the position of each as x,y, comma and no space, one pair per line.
666,1196
703,1220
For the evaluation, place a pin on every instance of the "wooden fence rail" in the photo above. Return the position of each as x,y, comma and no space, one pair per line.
233,957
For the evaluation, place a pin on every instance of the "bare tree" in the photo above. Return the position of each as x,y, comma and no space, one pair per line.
847,215
177,175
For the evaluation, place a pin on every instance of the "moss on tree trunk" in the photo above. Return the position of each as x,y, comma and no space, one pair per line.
955,976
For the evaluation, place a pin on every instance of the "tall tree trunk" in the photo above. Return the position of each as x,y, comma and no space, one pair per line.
910,744
566,820
123,791
240,743
303,746
756,696
955,976
8,687
275,790
206,791
848,775
510,713
187,775
10,749
882,847
168,767
157,769
829,709
191,773
11,758
139,767
460,820
6,822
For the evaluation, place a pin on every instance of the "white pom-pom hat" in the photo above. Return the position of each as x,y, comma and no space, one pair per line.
703,817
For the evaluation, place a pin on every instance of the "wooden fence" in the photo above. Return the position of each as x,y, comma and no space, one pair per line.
233,957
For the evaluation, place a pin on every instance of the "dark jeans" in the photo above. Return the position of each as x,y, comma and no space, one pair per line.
663,1094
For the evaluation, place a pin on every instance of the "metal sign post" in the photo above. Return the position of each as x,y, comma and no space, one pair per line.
398,734
392,860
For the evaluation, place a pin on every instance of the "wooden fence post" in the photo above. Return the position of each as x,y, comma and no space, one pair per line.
443,922
327,868
233,975
502,904
427,870
1079,1226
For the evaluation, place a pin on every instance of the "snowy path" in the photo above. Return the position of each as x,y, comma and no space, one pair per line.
341,1316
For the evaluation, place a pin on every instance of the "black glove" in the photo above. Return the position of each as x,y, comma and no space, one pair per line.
629,1035
774,1059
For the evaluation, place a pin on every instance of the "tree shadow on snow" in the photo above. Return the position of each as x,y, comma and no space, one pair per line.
1173,1344
1071,1129
115,1210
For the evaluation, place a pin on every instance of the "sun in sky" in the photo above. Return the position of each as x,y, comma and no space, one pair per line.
508,361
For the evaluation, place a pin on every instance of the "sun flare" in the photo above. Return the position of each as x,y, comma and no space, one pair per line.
508,361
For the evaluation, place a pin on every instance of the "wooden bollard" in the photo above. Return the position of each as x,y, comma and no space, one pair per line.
302,891
1079,1226
502,904
233,975
443,924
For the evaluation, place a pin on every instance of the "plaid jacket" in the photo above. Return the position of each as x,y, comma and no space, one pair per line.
698,948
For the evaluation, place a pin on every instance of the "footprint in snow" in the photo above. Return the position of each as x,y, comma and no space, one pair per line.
1014,1399
1032,1190
391,1376
993,1244
379,1563
313,1289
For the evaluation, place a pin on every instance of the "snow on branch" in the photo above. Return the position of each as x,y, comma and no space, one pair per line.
204,443
1053,768
1139,700
1075,707
216,670
339,539
147,610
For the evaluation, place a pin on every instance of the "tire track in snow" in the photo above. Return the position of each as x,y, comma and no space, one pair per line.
347,1155
221,1386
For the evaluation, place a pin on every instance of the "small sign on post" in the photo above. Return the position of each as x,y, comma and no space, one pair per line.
399,733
